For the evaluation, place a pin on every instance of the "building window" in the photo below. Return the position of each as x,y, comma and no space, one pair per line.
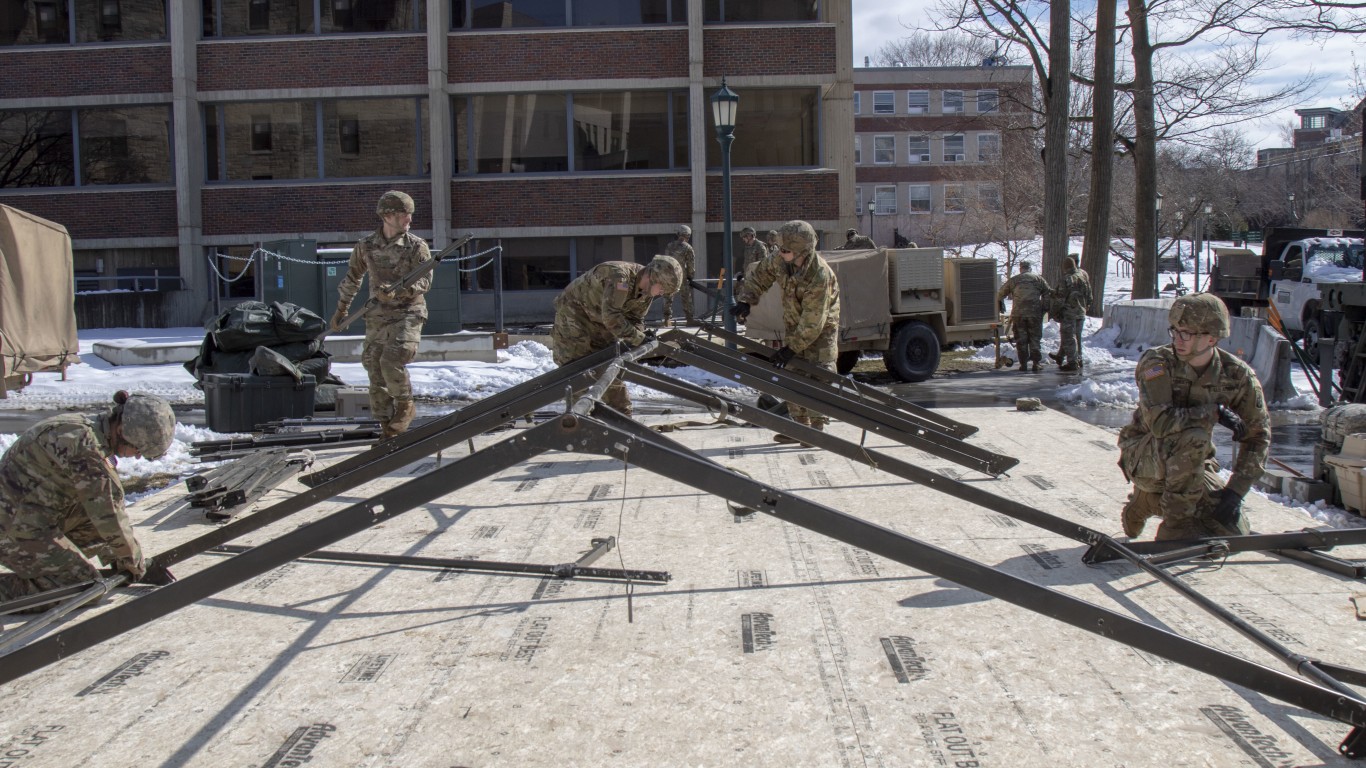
990,197
988,148
111,21
51,22
726,11
884,150
885,199
532,264
235,18
510,14
258,15
627,13
953,148
917,102
988,101
348,136
623,130
115,20
953,102
520,133
858,102
919,198
954,199
884,103
374,137
858,150
125,145
36,148
918,149
261,139
1314,121
786,118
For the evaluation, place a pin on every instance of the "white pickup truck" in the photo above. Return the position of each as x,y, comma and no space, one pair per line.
1293,264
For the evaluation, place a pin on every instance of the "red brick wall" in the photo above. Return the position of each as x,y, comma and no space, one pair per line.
924,172
540,202
479,58
780,196
295,63
799,50
121,213
236,210
85,71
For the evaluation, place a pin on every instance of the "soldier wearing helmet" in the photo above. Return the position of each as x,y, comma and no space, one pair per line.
753,253
811,307
1184,389
1070,300
393,329
1027,292
61,501
853,241
607,304
682,252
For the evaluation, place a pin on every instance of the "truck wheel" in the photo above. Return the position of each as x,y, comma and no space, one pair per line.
1313,331
846,362
914,354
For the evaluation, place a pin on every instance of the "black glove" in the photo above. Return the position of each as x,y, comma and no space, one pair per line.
1234,422
783,356
1228,508
649,334
1001,305
740,311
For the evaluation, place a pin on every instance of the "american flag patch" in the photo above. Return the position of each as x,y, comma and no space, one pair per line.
1154,372
623,286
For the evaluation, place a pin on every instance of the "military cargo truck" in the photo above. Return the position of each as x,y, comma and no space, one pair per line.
907,303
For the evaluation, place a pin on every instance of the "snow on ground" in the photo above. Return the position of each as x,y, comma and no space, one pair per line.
93,382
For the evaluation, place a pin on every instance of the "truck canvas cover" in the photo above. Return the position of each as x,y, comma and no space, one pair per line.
864,303
37,294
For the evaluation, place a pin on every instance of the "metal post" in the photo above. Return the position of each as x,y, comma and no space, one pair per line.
498,288
727,262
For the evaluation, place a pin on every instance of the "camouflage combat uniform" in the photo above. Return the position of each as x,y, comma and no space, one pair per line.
754,253
811,313
602,306
393,329
61,502
686,257
858,243
1026,291
1167,450
1071,299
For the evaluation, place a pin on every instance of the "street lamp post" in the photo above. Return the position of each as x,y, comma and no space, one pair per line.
1157,230
872,209
1293,218
723,107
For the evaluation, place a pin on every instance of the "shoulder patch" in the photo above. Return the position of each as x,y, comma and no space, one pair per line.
1158,369
623,286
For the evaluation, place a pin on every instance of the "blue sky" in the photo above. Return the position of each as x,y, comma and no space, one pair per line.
1330,61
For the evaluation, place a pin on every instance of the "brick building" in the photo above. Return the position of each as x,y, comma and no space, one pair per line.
165,134
941,152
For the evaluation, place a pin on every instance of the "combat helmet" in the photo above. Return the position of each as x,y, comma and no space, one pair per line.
148,424
748,231
665,271
1200,312
683,229
797,236
395,201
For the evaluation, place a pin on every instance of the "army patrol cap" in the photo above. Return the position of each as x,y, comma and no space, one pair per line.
1200,312
683,229
748,231
798,237
148,424
395,201
665,271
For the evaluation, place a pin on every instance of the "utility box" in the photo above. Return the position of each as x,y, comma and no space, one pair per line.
237,402
353,402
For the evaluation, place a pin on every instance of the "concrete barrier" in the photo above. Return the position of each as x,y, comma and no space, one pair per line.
1142,323
466,345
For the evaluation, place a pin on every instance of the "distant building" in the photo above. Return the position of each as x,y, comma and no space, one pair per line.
937,150
163,133
1315,182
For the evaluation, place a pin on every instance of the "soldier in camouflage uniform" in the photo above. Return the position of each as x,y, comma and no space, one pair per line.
811,307
853,241
1071,299
771,242
1027,292
61,501
754,252
607,304
680,251
393,329
1167,452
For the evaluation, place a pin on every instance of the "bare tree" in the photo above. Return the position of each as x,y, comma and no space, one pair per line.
921,48
35,148
1314,17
